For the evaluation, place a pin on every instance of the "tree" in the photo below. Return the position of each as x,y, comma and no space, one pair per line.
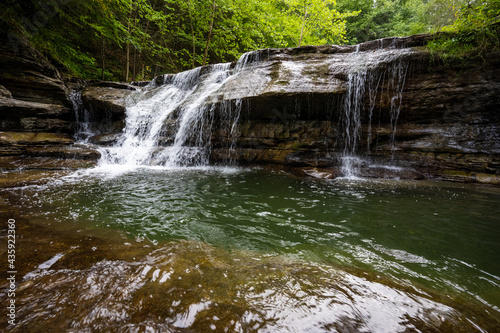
135,39
316,21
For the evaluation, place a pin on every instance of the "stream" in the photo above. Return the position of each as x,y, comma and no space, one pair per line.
248,250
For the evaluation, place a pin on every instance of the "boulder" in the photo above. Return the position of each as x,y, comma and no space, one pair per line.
105,101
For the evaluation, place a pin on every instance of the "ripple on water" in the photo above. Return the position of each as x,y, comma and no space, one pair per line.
424,235
190,285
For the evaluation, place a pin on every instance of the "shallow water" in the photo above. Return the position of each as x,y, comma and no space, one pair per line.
250,250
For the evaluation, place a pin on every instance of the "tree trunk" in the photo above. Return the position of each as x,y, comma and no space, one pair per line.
304,20
192,34
134,70
127,71
102,58
209,34
127,63
134,66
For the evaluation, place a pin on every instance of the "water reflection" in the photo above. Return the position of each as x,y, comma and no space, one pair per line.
192,285
257,251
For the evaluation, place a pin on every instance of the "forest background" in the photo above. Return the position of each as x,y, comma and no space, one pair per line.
129,40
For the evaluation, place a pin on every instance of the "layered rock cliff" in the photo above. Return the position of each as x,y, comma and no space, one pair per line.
385,108
430,119
36,114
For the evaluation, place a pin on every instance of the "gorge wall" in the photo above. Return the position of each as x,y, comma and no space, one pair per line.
384,108
36,113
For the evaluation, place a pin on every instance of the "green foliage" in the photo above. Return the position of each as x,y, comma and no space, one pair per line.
138,39
75,61
475,31
385,18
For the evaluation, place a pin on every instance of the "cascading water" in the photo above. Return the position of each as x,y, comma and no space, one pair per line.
83,129
185,103
397,79
351,123
365,80
193,138
174,124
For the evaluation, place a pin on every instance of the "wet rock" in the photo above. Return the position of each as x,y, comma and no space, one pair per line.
17,143
487,178
315,173
292,109
104,139
141,83
4,92
34,124
447,121
105,101
388,172
64,152
25,163
33,96
35,138
116,85
35,87
10,107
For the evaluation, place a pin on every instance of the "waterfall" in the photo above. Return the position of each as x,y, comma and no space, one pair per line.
365,79
397,79
188,118
192,142
185,105
83,129
249,58
351,121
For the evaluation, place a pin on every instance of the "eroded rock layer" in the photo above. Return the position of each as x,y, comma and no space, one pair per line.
386,104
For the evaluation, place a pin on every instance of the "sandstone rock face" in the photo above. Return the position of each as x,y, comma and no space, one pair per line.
107,97
416,117
36,115
19,115
28,76
385,106
105,103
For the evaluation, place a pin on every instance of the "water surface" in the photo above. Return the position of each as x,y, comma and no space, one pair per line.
253,250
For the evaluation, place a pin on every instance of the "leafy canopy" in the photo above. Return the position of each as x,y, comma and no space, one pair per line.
138,39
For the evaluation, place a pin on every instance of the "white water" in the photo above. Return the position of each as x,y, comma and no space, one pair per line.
195,124
172,125
83,130
182,105
365,80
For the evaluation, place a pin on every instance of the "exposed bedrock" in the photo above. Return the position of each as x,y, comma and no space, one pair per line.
386,104
432,120
385,101
36,114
